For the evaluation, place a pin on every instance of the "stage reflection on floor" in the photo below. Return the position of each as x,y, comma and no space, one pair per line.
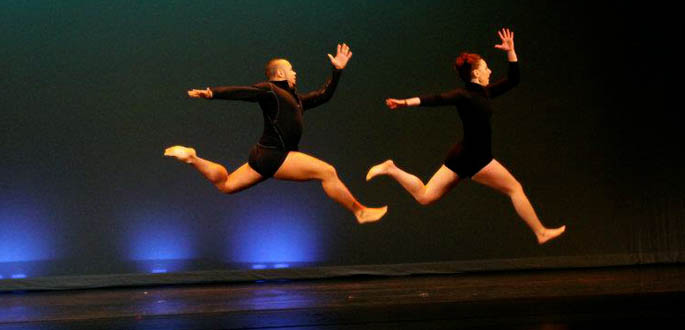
554,299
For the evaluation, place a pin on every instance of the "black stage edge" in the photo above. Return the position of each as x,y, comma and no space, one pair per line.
305,273
626,297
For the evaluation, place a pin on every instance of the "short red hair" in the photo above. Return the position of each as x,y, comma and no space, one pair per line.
465,63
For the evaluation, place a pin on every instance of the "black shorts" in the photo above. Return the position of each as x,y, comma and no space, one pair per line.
265,160
466,162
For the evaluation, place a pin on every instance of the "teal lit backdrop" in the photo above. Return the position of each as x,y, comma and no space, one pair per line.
91,92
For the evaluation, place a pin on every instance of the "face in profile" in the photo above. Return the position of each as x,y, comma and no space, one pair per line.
482,73
288,73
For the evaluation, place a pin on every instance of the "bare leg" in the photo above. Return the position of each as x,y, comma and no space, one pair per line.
242,178
442,181
302,167
495,176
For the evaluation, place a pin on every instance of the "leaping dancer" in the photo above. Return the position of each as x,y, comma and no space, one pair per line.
276,155
472,157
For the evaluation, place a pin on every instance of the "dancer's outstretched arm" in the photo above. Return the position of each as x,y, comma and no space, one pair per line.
436,100
449,98
402,103
513,75
323,94
433,100
242,93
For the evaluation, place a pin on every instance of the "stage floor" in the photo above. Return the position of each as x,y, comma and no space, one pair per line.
633,297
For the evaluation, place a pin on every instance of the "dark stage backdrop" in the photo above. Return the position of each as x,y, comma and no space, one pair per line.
91,92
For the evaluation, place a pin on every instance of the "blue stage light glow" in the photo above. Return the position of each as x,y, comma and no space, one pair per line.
273,236
159,236
20,313
162,266
259,266
25,233
18,276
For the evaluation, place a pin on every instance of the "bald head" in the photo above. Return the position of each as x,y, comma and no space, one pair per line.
271,68
280,69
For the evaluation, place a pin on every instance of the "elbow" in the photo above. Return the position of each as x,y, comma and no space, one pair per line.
516,77
515,80
325,97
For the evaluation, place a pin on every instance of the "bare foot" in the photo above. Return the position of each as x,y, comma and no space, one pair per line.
380,169
549,234
181,153
370,214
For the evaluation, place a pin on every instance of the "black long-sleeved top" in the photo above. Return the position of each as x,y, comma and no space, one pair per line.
282,107
475,110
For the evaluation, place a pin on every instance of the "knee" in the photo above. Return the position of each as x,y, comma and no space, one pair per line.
514,188
329,172
226,188
424,199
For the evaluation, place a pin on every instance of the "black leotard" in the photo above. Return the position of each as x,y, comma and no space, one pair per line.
474,152
282,108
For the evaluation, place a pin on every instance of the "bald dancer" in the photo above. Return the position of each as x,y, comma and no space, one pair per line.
276,154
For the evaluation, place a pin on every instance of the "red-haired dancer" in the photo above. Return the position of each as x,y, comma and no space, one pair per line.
472,157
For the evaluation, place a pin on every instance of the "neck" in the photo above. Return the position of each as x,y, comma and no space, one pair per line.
282,83
475,81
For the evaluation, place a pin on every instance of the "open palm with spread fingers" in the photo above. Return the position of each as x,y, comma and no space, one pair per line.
507,37
341,57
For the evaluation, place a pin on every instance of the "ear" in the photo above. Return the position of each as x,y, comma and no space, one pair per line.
280,73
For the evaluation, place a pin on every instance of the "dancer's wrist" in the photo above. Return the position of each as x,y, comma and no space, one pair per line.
511,56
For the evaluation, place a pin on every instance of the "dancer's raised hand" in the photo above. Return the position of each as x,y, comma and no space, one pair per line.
341,57
507,37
